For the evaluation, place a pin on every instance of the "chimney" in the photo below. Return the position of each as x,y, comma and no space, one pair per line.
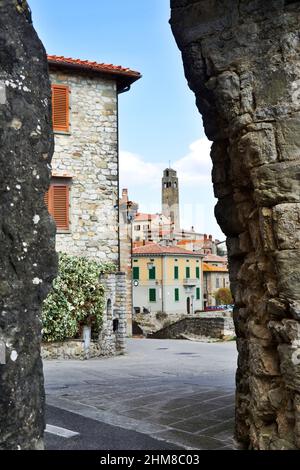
210,238
205,237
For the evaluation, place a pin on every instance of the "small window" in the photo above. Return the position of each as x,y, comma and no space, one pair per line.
217,283
60,108
197,272
152,295
152,273
57,202
187,272
176,272
136,273
137,228
198,293
176,294
115,325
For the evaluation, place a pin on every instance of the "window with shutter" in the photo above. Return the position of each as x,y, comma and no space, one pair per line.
136,273
152,295
57,202
61,206
60,108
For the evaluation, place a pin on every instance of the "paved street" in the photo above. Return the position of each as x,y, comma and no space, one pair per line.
165,394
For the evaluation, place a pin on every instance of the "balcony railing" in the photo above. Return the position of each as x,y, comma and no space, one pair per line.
190,282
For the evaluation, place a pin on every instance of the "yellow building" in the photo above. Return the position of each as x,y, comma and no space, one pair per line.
215,276
166,279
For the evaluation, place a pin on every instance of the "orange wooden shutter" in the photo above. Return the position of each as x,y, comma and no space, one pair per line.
60,206
60,108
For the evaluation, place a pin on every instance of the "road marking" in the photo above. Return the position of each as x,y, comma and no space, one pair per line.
62,432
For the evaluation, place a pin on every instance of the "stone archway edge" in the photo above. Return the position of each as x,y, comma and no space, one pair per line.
241,58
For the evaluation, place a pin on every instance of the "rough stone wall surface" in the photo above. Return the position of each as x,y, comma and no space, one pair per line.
113,342
210,327
126,264
27,235
241,58
89,154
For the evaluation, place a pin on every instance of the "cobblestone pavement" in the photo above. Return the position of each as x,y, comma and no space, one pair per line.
177,391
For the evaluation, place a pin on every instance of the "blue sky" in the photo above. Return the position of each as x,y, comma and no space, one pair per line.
159,121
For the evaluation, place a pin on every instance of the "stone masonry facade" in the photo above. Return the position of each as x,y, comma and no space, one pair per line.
86,160
241,58
88,155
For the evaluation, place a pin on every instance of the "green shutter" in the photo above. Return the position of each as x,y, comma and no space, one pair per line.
152,295
152,273
197,272
176,272
187,272
136,273
198,293
176,295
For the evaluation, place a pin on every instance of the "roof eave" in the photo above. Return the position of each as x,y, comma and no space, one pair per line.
124,79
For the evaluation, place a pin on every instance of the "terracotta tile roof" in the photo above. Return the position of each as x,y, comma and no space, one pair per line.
127,75
210,268
144,217
155,249
215,259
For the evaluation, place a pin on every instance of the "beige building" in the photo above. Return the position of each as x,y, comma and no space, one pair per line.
128,210
150,228
215,276
166,279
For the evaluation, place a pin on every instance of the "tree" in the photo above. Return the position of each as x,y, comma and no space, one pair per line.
223,296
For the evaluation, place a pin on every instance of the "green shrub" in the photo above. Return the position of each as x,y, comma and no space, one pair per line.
77,298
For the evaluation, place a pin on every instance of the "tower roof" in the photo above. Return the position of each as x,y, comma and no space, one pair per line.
169,172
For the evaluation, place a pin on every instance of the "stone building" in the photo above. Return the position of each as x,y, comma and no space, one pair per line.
166,279
83,195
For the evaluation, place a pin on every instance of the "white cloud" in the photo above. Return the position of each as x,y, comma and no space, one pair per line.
196,166
192,169
134,171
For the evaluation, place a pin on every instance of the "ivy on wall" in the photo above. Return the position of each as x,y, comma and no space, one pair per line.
77,298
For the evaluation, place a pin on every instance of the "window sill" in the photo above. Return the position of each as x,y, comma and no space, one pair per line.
61,132
63,232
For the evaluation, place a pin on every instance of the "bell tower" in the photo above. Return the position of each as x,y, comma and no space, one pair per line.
170,197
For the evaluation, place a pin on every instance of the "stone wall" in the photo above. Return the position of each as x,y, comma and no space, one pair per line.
111,341
241,58
27,236
89,155
217,327
112,337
